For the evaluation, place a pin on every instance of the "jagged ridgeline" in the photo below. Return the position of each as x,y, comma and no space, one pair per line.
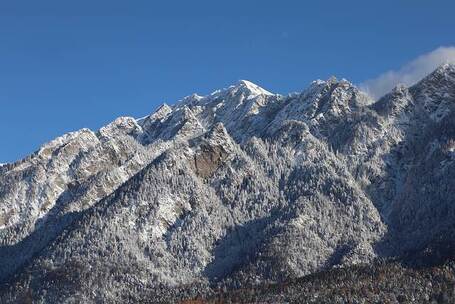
238,189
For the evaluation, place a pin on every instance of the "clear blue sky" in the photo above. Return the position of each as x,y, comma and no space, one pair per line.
65,65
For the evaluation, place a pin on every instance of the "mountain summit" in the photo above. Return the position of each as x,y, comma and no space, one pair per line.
250,88
237,189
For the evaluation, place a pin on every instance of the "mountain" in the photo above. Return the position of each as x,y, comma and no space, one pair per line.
238,189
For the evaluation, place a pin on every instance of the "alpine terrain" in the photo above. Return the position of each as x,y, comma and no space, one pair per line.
324,196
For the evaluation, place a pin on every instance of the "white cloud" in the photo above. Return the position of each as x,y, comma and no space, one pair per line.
410,73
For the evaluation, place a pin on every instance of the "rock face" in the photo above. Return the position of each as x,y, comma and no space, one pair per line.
237,188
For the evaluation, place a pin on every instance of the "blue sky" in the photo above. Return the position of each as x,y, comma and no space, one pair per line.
65,65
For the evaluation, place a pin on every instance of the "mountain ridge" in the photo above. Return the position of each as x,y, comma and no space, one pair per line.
236,188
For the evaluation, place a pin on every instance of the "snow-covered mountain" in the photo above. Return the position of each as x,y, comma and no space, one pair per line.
238,188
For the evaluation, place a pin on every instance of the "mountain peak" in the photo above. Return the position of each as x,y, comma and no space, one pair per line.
436,92
446,67
445,72
441,79
331,81
249,88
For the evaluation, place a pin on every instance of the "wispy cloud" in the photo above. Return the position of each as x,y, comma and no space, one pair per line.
410,73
